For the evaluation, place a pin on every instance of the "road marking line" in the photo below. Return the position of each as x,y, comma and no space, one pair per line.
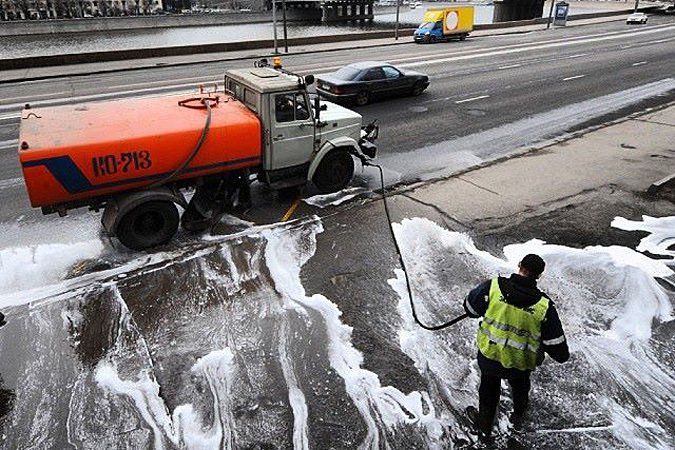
10,116
577,56
207,81
472,99
639,63
29,97
573,78
512,66
9,144
11,183
291,210
150,92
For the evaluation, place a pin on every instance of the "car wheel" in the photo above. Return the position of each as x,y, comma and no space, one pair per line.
362,98
334,172
147,225
418,88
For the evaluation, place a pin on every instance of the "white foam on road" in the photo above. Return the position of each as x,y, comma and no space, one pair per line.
609,303
185,428
380,406
661,238
34,267
334,199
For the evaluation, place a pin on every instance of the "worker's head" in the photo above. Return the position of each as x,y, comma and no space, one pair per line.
532,266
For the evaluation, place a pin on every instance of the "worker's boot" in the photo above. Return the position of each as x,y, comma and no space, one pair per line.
517,420
480,420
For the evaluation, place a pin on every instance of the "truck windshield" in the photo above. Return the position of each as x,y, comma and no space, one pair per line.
427,26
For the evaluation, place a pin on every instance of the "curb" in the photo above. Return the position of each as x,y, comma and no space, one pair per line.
664,183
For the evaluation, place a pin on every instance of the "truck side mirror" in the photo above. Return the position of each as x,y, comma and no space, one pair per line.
309,80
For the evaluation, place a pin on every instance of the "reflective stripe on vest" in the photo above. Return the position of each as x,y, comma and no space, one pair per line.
509,334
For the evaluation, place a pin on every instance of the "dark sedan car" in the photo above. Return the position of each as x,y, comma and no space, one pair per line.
364,81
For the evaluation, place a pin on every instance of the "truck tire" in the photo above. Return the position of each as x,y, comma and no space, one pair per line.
147,225
334,172
362,98
462,37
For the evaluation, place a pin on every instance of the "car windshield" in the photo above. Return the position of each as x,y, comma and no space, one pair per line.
346,73
427,25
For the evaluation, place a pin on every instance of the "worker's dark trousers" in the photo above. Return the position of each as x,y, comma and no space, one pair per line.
489,392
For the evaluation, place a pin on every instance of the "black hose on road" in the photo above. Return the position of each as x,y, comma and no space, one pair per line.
400,258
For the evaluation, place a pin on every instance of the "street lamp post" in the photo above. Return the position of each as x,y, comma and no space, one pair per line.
274,25
398,8
550,15
283,8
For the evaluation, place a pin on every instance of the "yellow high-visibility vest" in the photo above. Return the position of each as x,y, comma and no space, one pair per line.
512,335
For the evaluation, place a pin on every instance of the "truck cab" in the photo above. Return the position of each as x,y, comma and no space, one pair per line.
429,32
299,131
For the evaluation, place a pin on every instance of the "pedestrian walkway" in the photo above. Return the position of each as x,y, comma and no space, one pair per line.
629,155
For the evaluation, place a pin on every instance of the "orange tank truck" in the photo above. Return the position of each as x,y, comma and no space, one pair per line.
74,153
134,158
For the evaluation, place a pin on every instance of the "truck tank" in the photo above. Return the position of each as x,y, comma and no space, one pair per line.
87,151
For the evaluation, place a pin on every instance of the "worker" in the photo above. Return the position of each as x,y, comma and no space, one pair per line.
520,324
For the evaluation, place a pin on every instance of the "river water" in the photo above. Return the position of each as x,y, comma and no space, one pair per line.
42,45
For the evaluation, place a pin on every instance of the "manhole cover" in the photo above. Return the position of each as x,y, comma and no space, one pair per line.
419,109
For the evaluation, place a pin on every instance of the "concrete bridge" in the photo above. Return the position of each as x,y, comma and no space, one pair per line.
358,10
327,10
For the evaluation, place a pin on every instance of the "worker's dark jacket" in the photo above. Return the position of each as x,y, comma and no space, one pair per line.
523,293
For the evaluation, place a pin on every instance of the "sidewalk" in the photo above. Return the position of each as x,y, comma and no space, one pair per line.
7,76
630,155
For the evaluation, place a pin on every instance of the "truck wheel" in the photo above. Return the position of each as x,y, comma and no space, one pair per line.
334,172
462,37
147,225
362,98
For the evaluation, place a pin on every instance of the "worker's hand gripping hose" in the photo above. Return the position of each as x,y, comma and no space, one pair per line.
400,258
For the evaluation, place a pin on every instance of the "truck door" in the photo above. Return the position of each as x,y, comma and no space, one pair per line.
292,130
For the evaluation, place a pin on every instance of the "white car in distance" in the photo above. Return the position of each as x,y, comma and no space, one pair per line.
637,17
